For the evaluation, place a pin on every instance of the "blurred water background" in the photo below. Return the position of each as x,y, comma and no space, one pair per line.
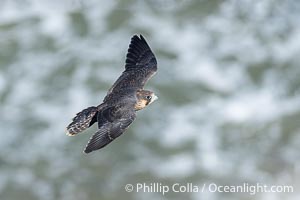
228,87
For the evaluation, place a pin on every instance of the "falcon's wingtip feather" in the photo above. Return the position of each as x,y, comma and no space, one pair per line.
138,51
142,37
86,151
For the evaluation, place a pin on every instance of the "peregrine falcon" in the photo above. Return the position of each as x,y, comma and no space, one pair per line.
118,109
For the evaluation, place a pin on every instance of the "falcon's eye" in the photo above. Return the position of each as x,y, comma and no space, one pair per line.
149,97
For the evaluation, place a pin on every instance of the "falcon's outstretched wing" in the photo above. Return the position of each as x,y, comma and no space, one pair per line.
140,66
108,132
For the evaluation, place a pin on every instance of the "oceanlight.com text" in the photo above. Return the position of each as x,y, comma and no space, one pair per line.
251,189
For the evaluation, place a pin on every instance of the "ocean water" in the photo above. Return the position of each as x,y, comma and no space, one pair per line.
229,98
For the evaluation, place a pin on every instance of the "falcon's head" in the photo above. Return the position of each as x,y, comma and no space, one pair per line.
144,98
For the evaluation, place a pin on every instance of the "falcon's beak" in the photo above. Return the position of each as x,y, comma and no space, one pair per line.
154,97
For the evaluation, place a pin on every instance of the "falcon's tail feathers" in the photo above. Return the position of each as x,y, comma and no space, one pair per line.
82,121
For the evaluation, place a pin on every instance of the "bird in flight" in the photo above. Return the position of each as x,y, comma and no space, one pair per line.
118,109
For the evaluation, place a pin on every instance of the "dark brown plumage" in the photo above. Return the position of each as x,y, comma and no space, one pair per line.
123,99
